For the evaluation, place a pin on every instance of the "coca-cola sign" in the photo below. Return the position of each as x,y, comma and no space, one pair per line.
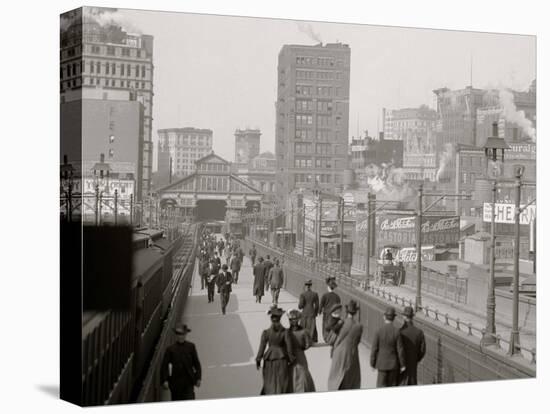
436,230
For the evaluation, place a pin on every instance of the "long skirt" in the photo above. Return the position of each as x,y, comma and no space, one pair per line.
300,379
275,375
309,323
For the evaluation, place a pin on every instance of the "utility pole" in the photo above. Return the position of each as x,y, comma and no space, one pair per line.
490,328
292,226
303,230
97,204
341,232
131,209
116,206
418,300
369,228
514,339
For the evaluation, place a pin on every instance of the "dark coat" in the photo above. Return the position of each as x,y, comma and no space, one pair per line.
224,282
387,351
345,371
309,303
235,264
414,344
259,279
276,277
186,367
268,264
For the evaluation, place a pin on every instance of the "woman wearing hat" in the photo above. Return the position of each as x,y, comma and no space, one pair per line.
345,371
328,300
300,379
277,357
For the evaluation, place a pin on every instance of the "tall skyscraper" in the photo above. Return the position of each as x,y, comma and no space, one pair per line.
184,146
99,61
247,145
312,117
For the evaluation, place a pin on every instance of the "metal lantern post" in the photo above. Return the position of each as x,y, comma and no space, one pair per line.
418,299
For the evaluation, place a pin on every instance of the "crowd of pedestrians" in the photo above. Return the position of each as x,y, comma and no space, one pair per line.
281,356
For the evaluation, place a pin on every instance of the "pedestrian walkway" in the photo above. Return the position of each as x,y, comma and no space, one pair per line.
227,344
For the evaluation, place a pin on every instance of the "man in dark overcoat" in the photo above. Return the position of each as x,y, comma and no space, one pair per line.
224,281
308,303
181,368
259,280
235,266
268,264
387,353
414,344
276,282
328,300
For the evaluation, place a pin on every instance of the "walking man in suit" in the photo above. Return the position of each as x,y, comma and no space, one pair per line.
235,265
276,282
308,303
252,254
224,286
268,264
258,288
387,354
414,344
181,368
328,300
211,281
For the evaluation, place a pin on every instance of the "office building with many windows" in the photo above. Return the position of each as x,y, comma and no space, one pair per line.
312,117
99,61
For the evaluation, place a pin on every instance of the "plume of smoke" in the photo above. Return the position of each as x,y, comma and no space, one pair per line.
308,30
445,158
387,182
109,17
511,114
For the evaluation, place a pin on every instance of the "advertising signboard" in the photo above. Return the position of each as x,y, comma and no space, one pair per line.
436,230
505,213
408,254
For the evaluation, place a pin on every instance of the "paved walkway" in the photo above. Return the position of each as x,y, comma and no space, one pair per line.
227,344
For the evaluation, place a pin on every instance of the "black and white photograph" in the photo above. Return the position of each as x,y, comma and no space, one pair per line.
278,206
254,204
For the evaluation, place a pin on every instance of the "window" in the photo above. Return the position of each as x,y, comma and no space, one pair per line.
137,71
122,69
113,68
304,119
98,67
322,148
111,50
322,135
128,70
304,134
107,67
304,105
302,148
301,162
95,49
143,71
323,121
125,52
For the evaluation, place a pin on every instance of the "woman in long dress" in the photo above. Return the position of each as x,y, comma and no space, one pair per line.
300,377
345,371
277,357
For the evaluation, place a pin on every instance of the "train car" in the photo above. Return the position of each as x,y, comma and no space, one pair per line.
117,345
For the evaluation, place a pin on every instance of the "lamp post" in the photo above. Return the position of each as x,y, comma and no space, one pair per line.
303,229
492,146
418,299
341,232
514,336
67,172
101,177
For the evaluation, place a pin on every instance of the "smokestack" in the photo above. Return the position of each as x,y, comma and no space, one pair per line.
495,129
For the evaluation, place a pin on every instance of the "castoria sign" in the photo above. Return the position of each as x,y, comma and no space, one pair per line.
436,230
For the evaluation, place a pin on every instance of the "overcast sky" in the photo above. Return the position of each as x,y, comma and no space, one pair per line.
220,72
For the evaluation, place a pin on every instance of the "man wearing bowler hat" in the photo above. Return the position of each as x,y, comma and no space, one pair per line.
224,281
308,303
387,354
328,300
414,344
181,368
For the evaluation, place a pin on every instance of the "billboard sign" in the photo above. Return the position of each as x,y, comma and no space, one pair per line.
505,213
408,254
399,230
